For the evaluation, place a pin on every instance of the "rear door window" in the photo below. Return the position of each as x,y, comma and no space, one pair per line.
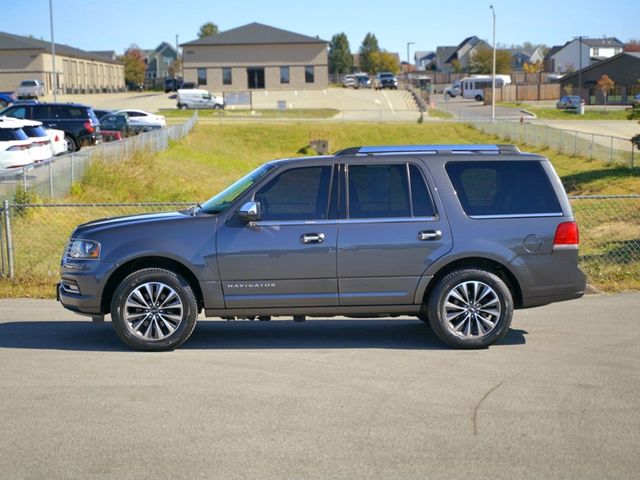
503,188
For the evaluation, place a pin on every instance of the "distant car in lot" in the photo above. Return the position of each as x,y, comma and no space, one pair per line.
30,89
144,119
99,112
58,143
636,99
349,81
116,126
172,84
14,146
386,80
363,81
188,85
79,122
568,102
198,98
6,98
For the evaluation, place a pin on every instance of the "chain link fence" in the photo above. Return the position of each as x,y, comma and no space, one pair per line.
36,236
53,179
605,148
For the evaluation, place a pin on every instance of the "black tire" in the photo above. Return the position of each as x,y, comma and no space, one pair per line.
498,291
479,98
72,146
217,106
182,106
189,310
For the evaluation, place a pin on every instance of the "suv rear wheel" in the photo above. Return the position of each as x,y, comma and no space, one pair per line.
470,308
72,146
154,309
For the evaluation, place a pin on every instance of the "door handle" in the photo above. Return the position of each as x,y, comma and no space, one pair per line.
427,235
312,238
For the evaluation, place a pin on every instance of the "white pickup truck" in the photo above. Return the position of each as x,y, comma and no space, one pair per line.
30,89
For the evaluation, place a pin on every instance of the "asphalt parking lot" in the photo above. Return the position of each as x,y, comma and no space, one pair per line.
558,398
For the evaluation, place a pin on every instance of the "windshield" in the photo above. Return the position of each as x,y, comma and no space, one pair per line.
221,201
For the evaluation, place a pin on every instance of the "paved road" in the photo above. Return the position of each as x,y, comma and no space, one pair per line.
323,399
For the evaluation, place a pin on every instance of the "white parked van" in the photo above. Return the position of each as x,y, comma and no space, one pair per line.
474,87
198,98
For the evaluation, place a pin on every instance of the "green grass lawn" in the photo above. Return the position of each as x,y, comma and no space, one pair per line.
591,113
435,113
213,156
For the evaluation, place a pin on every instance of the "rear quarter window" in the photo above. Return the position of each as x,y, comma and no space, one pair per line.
503,188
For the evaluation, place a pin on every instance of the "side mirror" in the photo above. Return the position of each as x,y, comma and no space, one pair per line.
250,212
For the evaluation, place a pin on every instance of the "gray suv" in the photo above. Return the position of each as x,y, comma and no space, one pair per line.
457,235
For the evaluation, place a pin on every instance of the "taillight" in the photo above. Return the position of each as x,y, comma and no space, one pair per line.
56,139
88,126
567,236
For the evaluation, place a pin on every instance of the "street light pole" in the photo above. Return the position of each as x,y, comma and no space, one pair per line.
408,57
54,83
493,76
580,70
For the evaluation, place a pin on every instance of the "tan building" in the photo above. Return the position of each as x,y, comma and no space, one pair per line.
78,71
256,57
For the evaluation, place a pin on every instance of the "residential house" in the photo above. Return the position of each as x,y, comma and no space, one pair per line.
580,52
159,61
450,59
425,60
522,56
256,57
76,70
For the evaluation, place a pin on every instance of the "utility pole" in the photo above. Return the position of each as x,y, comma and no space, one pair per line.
54,82
493,76
408,57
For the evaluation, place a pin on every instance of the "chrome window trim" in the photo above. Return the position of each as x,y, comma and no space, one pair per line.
517,215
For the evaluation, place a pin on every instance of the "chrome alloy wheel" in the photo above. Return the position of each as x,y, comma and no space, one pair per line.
153,311
471,309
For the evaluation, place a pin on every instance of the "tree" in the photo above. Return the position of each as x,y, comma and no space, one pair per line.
340,58
482,61
368,47
207,29
134,64
632,46
605,85
175,69
384,61
533,67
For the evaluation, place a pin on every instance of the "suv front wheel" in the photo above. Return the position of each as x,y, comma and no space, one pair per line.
470,308
154,309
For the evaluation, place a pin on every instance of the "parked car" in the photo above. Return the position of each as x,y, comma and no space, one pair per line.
363,81
144,119
40,150
99,112
30,89
198,98
78,122
457,235
636,99
6,98
58,144
116,126
453,90
568,102
14,146
172,84
188,85
386,80
349,81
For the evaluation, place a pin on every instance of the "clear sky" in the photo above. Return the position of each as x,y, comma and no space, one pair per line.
115,24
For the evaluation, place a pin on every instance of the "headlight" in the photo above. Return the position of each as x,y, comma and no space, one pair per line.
83,249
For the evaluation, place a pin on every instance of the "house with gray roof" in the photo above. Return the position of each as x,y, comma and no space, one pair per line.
450,59
77,71
159,62
579,53
256,57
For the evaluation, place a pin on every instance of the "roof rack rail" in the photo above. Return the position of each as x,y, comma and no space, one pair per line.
431,149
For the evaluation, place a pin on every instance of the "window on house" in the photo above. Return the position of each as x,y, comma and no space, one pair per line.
596,52
202,76
227,78
284,74
309,74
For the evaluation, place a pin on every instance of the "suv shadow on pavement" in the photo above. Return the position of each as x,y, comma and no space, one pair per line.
217,335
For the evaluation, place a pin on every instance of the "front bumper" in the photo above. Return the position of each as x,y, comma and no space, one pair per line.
87,280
